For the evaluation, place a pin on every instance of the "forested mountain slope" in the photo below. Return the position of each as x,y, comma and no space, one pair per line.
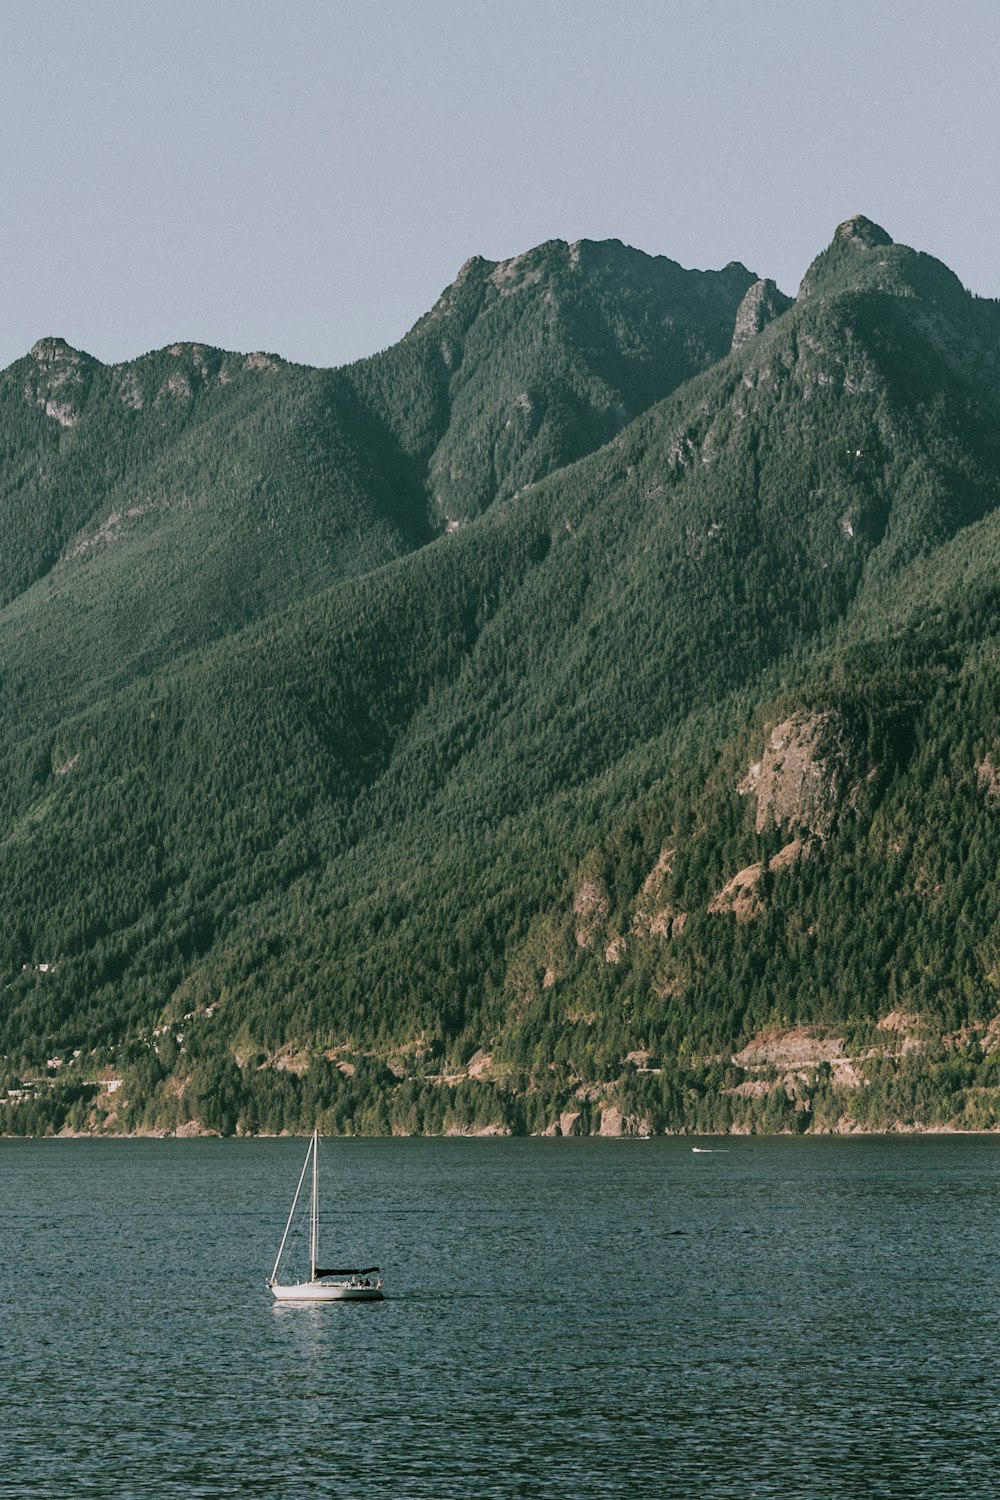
663,794
525,365
148,508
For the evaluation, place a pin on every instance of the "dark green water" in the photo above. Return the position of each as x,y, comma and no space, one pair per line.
789,1318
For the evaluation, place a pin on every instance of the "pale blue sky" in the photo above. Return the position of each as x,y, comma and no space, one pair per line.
307,177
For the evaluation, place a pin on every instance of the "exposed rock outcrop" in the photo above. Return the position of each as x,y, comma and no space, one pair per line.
808,775
863,232
740,897
653,913
59,380
590,907
762,304
615,1123
798,1047
988,778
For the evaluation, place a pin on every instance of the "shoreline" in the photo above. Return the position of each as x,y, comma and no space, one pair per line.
896,1132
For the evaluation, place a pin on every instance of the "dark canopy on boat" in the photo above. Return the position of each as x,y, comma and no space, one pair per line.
347,1271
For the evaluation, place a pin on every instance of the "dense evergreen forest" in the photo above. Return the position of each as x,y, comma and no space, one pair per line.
582,716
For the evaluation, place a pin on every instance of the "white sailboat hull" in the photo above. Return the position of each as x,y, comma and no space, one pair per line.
354,1284
326,1291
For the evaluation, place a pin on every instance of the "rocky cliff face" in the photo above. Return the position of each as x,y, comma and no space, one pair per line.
809,773
762,304
57,379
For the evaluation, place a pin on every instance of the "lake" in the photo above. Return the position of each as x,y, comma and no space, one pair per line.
563,1318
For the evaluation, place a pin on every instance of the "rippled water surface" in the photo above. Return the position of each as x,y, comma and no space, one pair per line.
564,1318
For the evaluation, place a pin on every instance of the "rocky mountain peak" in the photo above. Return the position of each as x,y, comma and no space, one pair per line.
60,380
863,233
53,350
863,257
762,303
847,263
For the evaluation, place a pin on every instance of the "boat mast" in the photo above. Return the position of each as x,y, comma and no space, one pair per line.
291,1216
314,1212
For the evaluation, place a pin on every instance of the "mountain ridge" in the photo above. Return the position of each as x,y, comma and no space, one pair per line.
365,820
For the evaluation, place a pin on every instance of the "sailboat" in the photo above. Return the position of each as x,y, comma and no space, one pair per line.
355,1283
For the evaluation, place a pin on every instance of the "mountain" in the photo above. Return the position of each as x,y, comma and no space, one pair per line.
526,365
172,500
578,717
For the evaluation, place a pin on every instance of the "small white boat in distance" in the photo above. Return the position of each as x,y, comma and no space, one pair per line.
355,1283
